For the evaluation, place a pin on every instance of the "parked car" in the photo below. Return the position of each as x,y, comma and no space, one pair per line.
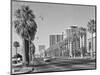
17,60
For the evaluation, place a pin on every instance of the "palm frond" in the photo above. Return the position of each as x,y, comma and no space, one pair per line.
91,26
25,24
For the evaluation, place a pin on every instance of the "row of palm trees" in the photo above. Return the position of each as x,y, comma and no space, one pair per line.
82,32
78,35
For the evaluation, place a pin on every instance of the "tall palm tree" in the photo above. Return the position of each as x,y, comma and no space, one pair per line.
82,32
92,29
75,39
26,27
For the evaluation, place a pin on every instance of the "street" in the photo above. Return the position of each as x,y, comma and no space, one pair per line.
58,64
63,65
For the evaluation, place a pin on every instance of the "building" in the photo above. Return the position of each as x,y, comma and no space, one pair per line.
74,45
54,39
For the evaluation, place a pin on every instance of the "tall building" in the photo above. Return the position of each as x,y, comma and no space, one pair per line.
72,35
54,39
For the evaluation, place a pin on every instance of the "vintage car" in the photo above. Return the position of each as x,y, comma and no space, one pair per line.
17,60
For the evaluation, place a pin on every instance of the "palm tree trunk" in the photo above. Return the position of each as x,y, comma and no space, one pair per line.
82,47
92,46
16,53
26,51
16,50
30,56
70,48
24,55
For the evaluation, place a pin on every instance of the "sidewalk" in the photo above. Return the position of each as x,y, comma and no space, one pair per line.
21,70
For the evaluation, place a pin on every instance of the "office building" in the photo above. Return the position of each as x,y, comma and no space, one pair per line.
54,39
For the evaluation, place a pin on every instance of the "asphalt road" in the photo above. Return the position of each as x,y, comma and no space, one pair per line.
63,65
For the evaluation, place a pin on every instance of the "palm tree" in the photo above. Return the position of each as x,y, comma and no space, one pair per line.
26,27
92,29
82,32
75,39
16,44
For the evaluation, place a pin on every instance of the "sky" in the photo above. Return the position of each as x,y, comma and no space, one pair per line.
53,19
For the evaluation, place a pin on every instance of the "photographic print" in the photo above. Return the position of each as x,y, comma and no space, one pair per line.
52,37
